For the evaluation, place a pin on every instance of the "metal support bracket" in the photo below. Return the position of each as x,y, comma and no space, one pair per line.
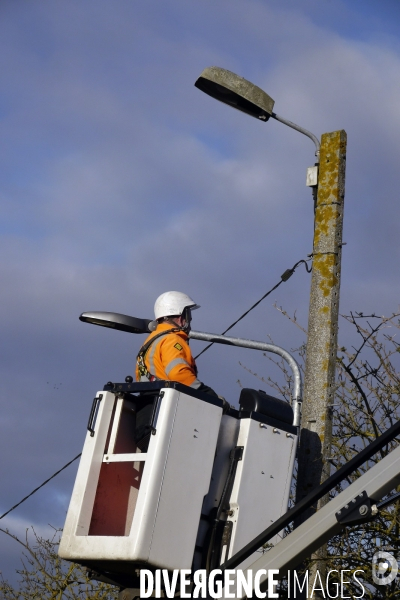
357,511
236,453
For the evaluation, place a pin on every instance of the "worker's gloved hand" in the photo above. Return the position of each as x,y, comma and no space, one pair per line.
226,406
206,389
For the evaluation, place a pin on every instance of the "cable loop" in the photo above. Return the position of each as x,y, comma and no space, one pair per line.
284,277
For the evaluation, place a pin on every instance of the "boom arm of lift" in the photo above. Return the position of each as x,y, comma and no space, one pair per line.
330,519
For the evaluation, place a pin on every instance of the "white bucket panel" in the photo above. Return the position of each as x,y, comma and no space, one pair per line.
186,482
260,493
142,507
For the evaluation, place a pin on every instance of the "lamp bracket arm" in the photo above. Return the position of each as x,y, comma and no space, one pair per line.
301,129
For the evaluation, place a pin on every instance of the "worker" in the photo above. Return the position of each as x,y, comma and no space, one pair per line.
166,354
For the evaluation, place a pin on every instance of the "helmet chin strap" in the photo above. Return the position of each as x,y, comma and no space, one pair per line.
185,327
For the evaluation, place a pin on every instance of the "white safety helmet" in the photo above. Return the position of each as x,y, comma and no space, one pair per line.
172,304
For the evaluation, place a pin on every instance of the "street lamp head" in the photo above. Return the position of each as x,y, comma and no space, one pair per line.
239,93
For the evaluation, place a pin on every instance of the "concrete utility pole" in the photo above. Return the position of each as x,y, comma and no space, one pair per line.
319,385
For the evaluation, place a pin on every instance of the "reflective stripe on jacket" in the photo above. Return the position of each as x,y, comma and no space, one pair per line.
169,357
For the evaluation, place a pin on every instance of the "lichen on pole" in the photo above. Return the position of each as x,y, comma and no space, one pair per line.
319,385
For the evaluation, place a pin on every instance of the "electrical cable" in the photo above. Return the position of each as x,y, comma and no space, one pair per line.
284,277
40,486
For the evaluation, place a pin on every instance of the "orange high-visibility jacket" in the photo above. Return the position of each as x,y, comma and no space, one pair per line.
170,358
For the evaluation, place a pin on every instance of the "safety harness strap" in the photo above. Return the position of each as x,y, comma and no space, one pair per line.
143,371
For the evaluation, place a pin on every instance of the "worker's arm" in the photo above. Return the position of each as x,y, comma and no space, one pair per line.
179,364
206,389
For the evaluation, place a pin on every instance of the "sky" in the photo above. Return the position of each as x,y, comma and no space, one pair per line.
120,180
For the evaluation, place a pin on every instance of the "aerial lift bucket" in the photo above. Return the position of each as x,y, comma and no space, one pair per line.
145,469
170,479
